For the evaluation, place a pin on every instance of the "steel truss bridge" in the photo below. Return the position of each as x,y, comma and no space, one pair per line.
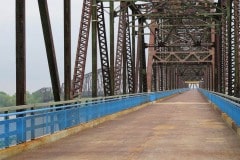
156,46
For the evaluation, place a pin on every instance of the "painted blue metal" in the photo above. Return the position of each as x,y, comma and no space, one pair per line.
232,109
40,122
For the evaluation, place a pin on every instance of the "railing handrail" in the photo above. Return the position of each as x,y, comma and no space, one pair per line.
67,105
52,105
232,98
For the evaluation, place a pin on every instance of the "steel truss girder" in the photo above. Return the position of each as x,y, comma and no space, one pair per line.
181,57
102,39
178,7
123,51
224,50
121,40
230,47
130,68
82,46
236,47
87,84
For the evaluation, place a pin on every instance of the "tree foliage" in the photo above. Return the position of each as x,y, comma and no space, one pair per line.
40,96
6,100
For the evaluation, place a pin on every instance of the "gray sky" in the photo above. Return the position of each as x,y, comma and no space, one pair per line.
37,67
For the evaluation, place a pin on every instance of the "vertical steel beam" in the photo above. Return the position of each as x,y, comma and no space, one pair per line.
111,27
120,47
218,58
133,50
52,62
20,53
67,49
143,64
219,54
137,60
236,48
151,53
129,57
142,58
94,48
155,75
161,78
224,64
166,78
124,67
213,53
81,53
103,48
139,66
230,48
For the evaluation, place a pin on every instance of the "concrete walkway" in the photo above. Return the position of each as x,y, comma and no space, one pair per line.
183,127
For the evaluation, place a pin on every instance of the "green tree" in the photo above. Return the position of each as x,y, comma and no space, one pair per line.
5,100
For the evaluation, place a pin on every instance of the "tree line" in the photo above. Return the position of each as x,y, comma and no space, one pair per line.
40,96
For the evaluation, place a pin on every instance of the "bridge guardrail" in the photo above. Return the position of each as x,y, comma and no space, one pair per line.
20,127
231,108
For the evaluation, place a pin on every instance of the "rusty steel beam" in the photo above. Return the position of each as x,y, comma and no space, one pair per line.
111,26
230,43
20,53
151,53
81,53
143,65
141,72
154,78
219,76
124,67
50,50
120,47
129,58
139,64
102,40
134,50
94,48
137,60
224,65
67,49
236,48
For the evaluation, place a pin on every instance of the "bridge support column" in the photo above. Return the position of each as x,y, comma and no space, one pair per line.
67,49
94,48
20,53
111,4
237,48
151,53
52,62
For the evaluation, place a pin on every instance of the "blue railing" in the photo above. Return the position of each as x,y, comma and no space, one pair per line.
19,127
231,108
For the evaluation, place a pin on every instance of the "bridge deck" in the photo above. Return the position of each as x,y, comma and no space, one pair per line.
181,127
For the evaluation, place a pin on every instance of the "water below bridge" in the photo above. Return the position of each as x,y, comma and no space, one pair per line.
181,127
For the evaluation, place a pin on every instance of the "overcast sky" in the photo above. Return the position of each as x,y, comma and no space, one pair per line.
37,66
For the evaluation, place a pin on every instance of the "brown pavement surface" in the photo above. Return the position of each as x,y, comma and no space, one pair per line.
183,127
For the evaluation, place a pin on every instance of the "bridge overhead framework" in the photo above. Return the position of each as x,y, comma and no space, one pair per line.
159,45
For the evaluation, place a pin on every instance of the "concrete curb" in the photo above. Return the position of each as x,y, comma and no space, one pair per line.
227,119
